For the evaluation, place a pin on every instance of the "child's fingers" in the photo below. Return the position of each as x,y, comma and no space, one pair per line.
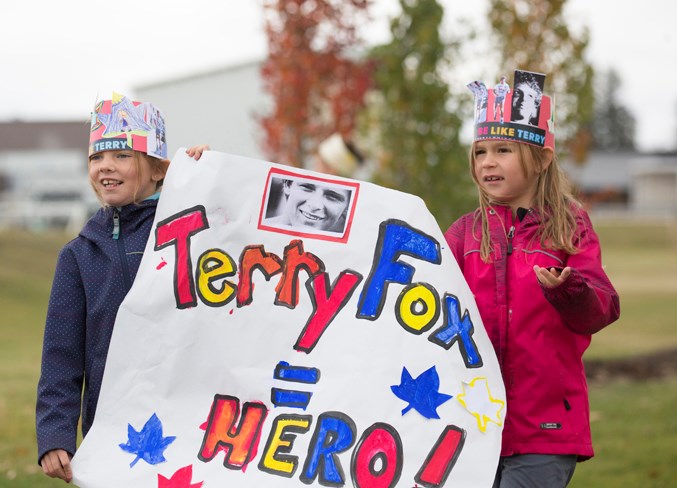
57,464
549,278
65,459
566,272
543,275
554,272
196,151
46,464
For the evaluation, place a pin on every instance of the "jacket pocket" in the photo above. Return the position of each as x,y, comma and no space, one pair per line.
545,258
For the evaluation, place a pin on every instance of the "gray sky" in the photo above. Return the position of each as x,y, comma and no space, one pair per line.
58,58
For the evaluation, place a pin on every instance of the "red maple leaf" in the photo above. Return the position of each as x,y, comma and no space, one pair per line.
181,479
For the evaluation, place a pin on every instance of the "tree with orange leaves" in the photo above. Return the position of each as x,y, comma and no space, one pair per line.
317,88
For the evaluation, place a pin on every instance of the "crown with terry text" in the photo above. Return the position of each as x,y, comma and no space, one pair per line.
121,123
521,113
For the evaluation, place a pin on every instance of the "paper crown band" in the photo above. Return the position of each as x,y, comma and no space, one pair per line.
519,114
120,123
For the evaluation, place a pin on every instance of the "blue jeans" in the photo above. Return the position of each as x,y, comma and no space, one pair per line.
535,471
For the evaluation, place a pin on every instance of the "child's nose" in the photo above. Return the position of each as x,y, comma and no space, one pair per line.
107,164
489,161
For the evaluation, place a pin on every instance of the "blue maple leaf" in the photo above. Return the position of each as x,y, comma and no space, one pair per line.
148,444
421,393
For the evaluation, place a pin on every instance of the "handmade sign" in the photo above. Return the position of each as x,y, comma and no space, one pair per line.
288,327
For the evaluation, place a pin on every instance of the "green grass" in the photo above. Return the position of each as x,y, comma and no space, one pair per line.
641,261
25,278
633,426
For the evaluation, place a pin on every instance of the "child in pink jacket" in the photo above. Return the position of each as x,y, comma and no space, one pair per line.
531,257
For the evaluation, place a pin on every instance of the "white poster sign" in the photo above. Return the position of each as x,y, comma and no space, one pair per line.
288,327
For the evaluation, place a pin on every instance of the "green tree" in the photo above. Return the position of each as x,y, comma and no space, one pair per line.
614,126
317,89
418,134
533,35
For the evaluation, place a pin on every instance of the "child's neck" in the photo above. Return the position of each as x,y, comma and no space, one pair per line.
520,213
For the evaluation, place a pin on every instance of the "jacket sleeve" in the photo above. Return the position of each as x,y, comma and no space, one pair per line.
587,301
455,237
63,360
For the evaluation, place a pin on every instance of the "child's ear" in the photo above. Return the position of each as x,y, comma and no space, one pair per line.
548,155
160,171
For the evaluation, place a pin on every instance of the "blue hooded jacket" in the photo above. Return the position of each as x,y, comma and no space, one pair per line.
93,274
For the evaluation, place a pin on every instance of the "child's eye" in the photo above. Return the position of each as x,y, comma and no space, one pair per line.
94,157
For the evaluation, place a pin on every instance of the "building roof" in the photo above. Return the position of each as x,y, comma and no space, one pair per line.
606,170
18,135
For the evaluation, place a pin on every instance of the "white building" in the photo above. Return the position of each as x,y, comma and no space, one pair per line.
655,187
628,183
219,108
44,167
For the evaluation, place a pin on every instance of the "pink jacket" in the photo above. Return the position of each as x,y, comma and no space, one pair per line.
539,334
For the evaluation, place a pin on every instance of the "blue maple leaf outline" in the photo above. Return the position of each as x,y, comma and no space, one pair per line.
148,444
421,393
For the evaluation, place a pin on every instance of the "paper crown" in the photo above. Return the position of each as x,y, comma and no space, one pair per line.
521,114
124,124
339,155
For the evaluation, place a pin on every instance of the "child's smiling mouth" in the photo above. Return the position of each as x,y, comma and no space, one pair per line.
108,183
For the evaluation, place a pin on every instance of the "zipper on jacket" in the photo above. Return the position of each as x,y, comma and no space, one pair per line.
511,234
116,225
121,249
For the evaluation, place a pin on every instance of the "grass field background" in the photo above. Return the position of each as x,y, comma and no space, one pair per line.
634,423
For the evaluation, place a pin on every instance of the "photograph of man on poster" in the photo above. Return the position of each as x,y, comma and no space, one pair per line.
307,205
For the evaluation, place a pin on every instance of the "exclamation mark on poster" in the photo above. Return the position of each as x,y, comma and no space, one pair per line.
296,374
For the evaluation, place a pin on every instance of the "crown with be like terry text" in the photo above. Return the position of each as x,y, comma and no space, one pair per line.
517,113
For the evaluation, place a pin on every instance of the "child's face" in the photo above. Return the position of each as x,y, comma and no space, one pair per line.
119,180
500,173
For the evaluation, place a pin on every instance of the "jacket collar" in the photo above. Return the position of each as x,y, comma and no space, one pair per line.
100,226
504,215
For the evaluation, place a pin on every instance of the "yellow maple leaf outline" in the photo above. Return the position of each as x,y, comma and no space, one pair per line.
482,420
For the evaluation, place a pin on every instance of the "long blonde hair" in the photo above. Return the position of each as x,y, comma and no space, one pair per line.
154,165
554,202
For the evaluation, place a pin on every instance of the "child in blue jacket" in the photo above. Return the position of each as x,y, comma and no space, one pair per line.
94,272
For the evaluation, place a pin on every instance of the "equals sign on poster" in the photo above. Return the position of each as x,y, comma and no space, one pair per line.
295,374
